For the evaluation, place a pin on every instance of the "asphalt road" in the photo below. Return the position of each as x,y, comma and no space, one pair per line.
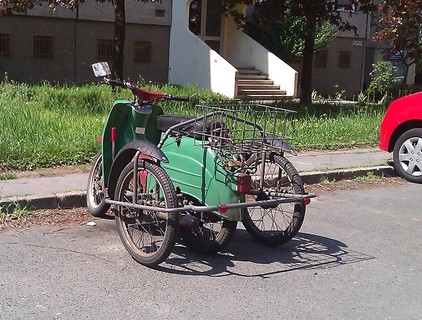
358,256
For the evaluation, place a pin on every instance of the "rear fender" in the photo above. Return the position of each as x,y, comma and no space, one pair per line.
126,155
283,146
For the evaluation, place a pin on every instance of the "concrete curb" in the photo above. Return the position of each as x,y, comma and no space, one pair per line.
78,199
44,201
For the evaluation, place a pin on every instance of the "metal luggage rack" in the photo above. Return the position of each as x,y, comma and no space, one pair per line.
238,129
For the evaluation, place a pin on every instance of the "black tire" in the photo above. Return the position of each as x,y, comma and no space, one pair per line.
407,155
95,197
148,238
274,225
212,235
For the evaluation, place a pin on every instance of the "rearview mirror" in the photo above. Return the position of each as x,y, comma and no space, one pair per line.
101,69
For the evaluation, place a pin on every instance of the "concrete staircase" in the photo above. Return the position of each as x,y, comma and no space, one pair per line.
254,85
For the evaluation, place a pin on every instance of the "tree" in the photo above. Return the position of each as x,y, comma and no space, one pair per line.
286,38
399,25
119,22
311,13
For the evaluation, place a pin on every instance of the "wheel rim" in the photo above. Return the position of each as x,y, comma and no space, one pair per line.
410,156
274,220
96,194
145,231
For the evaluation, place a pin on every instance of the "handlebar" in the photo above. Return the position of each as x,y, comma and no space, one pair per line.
143,94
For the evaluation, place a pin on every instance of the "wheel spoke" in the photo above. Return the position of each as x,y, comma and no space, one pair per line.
418,146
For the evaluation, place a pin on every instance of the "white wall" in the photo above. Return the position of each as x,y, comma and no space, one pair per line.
243,51
193,62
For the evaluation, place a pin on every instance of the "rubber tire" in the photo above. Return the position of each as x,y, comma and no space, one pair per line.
276,237
200,241
171,224
412,133
96,209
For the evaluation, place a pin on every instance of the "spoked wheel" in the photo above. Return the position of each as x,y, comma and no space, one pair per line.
95,197
212,234
274,225
149,236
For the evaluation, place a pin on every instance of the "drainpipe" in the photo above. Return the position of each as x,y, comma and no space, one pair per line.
74,41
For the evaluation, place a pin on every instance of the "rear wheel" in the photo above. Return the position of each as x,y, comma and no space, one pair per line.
212,234
407,155
95,197
149,236
274,225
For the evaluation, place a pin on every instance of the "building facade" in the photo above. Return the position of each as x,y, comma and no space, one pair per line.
61,46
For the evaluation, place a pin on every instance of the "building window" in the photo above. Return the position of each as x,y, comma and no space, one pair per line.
104,49
321,59
4,45
345,5
42,47
142,51
160,13
345,59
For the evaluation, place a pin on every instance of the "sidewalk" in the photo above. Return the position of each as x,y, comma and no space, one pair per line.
67,191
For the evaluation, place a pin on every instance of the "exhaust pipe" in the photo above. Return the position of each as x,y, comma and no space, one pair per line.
185,220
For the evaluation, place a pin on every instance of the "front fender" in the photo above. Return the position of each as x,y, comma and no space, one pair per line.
126,155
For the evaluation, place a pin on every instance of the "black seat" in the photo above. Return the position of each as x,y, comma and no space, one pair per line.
164,122
197,129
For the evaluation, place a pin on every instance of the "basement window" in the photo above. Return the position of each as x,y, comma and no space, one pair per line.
4,45
321,59
142,51
345,59
104,49
42,47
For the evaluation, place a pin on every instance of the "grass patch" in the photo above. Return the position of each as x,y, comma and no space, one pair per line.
47,125
7,176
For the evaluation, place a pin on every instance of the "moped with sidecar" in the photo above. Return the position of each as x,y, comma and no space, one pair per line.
194,177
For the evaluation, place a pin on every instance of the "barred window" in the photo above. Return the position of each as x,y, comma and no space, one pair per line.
104,49
42,47
345,59
321,58
4,45
142,51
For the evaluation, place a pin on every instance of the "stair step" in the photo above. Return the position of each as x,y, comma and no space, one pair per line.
249,71
262,92
257,86
255,82
254,85
252,77
264,97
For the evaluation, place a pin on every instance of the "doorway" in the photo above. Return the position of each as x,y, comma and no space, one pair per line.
206,22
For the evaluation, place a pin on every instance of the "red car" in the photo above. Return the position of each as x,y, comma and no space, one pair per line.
401,133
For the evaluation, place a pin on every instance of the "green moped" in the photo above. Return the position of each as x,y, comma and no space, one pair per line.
194,177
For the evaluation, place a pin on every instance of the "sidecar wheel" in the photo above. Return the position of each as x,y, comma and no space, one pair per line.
146,234
275,225
95,197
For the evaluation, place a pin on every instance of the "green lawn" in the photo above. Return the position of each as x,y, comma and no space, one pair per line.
47,125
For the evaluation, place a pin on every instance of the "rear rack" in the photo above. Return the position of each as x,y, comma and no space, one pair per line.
242,129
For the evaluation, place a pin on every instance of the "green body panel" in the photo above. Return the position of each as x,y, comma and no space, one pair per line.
197,172
132,123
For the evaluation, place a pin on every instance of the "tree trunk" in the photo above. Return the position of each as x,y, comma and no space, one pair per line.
119,39
307,61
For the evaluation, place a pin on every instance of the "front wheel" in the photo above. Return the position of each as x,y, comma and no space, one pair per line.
149,236
95,196
274,225
407,155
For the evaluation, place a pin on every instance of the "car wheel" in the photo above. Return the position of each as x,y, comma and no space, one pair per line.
407,155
